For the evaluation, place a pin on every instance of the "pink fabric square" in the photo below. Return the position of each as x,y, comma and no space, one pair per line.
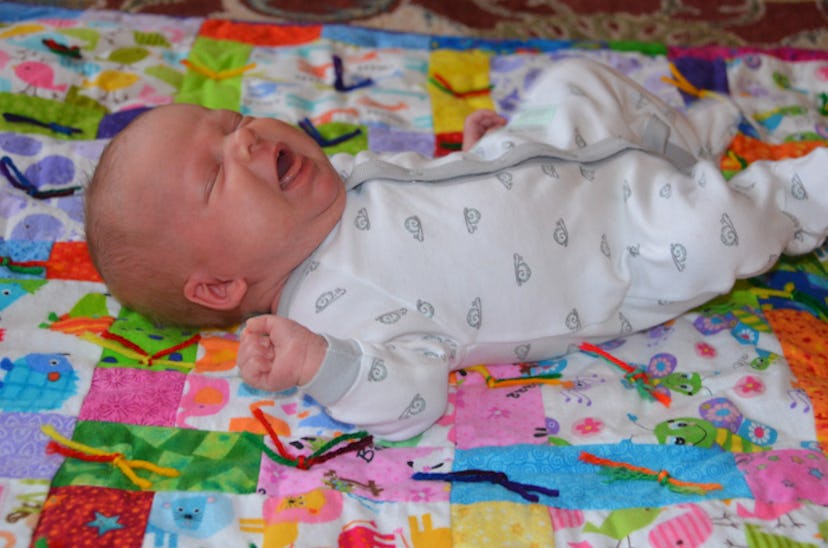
498,416
133,396
374,473
786,475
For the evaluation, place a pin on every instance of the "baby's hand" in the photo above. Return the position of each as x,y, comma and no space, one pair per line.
478,124
276,353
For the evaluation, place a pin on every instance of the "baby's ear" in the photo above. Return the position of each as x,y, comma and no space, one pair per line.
215,293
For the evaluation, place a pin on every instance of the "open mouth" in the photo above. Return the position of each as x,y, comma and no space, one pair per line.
288,166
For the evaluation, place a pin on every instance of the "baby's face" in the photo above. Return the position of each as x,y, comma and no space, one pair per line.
248,196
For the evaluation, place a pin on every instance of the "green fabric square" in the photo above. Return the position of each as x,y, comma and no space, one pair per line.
206,461
151,339
355,144
215,56
49,111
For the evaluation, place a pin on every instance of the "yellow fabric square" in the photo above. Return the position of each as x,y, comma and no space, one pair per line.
464,71
501,524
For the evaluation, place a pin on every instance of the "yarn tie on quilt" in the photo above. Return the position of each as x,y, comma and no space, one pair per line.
217,75
53,126
339,78
494,382
19,181
29,268
308,127
616,471
445,86
634,376
63,50
354,442
525,490
72,449
678,80
129,349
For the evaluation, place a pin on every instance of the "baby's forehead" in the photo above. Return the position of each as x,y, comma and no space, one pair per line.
183,119
167,143
171,114
164,147
137,152
147,131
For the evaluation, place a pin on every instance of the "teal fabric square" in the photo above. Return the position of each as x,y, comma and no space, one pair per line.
584,486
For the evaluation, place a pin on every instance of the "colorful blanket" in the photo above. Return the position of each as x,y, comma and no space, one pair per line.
705,431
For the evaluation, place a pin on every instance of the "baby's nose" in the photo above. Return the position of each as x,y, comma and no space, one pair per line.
243,143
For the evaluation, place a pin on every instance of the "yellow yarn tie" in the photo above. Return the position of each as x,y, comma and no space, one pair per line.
766,293
217,75
126,467
493,382
684,84
80,451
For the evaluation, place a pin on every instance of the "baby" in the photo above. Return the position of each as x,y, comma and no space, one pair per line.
596,211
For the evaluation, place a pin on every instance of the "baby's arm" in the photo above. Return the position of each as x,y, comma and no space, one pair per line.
276,353
394,390
478,124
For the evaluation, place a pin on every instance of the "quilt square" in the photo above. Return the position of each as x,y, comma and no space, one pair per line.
133,396
23,446
93,516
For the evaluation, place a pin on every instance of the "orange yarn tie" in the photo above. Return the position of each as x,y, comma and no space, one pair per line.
634,375
624,470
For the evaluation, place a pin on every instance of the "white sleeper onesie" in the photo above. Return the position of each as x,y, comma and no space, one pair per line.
519,249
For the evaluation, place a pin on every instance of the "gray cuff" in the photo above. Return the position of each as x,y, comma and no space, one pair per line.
656,138
337,373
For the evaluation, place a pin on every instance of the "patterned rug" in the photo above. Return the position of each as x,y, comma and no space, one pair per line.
800,23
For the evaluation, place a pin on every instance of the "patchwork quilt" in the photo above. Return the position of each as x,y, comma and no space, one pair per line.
708,430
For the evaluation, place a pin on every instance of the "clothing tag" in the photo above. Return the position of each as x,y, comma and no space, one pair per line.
533,116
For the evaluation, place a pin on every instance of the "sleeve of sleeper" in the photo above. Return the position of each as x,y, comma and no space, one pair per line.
394,390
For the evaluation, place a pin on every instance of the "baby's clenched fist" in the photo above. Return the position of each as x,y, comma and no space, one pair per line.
276,353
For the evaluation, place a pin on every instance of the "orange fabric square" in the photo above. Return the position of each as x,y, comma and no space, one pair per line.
71,261
804,341
259,34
